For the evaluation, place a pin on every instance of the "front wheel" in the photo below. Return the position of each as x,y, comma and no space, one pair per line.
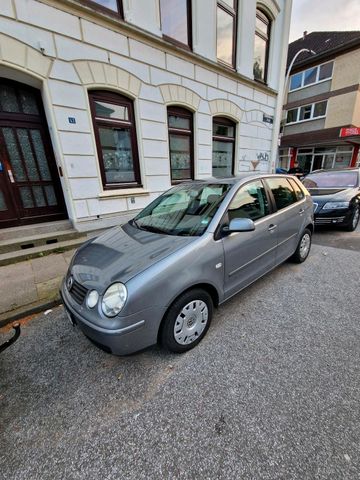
303,249
187,321
354,220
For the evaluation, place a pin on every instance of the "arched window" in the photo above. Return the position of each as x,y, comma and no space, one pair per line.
115,134
181,144
261,47
223,147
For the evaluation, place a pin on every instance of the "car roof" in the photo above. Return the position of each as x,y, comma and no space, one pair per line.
326,170
240,178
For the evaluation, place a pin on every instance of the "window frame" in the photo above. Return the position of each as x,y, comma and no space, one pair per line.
302,73
261,15
117,99
174,41
234,13
183,112
219,120
102,9
311,114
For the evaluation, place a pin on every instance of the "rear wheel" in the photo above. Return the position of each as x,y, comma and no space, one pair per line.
303,249
187,321
354,220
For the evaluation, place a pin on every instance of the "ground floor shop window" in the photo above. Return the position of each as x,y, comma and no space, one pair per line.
115,134
311,159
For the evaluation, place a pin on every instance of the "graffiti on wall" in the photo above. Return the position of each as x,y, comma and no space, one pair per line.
262,156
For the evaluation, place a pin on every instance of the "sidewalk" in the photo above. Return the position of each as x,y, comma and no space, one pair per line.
31,285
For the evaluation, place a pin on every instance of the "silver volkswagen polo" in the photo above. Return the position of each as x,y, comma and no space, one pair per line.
158,277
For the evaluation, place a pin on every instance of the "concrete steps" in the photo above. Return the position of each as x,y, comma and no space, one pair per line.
45,239
34,230
40,251
32,241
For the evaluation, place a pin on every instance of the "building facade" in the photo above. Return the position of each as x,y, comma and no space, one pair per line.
321,116
104,104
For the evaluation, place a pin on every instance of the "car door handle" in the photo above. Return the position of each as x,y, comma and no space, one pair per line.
272,228
301,211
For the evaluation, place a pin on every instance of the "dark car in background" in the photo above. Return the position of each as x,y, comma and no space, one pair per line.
336,197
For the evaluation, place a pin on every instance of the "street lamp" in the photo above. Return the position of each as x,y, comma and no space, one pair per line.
287,81
290,67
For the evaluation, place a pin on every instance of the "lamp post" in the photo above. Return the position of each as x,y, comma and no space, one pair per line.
290,67
287,76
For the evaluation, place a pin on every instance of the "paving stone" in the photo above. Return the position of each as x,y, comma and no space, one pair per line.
17,286
48,267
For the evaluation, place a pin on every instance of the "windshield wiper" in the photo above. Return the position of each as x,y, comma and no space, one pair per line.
150,228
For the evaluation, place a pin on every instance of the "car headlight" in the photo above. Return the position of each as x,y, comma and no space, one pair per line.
92,299
114,299
335,205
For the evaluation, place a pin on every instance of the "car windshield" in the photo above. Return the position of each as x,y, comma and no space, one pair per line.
331,180
183,210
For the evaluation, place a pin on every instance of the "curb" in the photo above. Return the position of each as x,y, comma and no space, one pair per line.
29,310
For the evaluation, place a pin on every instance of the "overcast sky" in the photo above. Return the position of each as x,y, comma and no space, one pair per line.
325,15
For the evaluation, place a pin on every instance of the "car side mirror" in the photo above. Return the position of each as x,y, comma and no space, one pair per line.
240,225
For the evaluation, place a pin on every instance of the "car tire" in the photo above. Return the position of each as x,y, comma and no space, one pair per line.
303,249
187,321
354,222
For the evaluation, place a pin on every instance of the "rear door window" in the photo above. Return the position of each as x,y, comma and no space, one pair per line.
298,192
283,193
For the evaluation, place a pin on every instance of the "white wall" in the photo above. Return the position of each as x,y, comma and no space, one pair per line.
80,55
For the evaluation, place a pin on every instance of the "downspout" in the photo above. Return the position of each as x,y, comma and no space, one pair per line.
280,95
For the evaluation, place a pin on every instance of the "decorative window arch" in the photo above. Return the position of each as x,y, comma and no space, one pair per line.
223,150
115,136
261,44
181,143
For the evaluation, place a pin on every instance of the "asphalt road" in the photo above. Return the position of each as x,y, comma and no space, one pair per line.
272,392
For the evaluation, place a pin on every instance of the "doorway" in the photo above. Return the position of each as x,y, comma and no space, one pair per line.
30,189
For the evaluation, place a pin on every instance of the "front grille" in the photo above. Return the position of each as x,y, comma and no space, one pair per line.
328,220
78,292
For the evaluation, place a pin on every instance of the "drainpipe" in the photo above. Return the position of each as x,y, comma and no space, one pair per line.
279,105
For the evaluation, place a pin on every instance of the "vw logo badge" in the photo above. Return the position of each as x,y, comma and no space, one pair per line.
70,282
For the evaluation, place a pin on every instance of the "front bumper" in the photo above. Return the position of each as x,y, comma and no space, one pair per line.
137,332
333,217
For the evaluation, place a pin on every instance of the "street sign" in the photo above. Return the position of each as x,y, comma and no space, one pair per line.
268,118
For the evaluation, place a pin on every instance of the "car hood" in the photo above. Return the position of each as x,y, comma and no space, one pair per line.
121,253
331,194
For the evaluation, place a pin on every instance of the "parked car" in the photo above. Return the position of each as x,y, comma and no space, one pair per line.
336,196
159,276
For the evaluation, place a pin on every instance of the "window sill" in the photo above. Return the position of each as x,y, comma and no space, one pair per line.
123,193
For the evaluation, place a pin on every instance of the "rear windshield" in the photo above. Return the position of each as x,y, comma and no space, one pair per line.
331,180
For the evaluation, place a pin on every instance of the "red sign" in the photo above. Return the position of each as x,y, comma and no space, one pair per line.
349,132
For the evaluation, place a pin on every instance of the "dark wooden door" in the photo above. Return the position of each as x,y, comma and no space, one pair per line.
30,189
